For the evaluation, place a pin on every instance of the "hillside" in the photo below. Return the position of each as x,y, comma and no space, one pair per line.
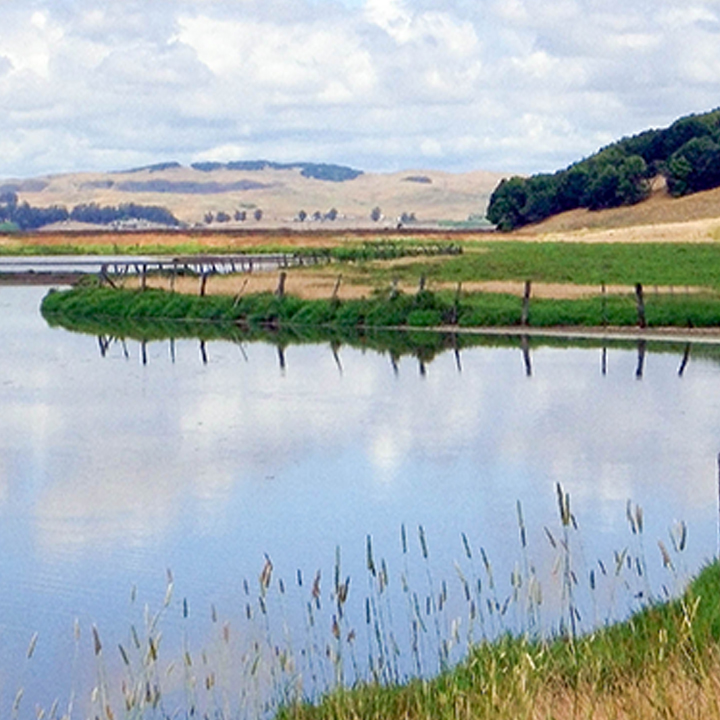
686,155
689,218
280,192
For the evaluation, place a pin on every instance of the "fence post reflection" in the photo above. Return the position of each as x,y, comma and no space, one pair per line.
642,346
525,345
685,360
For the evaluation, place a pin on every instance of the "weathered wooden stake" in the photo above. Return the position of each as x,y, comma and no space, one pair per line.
280,292
526,303
456,306
105,278
143,285
421,284
203,283
336,288
236,301
603,362
640,305
203,352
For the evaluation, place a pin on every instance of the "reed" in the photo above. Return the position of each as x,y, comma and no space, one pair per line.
417,644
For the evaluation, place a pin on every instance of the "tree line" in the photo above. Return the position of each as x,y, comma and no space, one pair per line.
26,217
687,154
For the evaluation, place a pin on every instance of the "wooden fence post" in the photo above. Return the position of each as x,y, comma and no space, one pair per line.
203,283
525,316
336,289
640,305
280,292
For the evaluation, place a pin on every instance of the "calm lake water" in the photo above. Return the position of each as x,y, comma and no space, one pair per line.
115,470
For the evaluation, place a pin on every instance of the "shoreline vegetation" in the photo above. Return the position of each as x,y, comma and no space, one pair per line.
664,661
445,310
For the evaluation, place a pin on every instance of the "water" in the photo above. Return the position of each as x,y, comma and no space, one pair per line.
117,467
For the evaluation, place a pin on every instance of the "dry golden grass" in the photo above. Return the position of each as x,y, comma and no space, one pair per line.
448,196
306,285
661,218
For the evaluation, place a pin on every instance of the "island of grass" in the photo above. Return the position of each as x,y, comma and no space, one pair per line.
389,309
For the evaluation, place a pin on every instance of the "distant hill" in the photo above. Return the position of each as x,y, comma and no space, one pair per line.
267,194
686,155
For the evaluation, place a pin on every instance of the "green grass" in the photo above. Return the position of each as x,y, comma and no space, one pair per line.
423,309
651,264
663,656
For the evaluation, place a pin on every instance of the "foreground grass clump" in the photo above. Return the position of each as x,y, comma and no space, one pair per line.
423,309
662,662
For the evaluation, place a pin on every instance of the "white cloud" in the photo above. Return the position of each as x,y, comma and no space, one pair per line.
87,85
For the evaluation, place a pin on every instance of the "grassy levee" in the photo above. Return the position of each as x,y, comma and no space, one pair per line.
670,264
663,662
423,309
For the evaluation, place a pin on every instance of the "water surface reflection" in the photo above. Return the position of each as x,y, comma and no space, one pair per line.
121,459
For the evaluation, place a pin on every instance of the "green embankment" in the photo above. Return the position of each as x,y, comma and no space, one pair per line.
675,265
662,662
423,309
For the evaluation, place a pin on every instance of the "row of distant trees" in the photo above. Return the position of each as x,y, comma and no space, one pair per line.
331,215
26,217
687,154
239,216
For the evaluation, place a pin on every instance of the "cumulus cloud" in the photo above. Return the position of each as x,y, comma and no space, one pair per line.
520,85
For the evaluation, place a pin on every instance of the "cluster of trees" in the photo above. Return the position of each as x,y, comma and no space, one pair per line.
317,171
317,216
239,216
687,154
26,217
108,214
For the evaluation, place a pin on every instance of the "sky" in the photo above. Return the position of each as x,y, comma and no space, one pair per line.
382,85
